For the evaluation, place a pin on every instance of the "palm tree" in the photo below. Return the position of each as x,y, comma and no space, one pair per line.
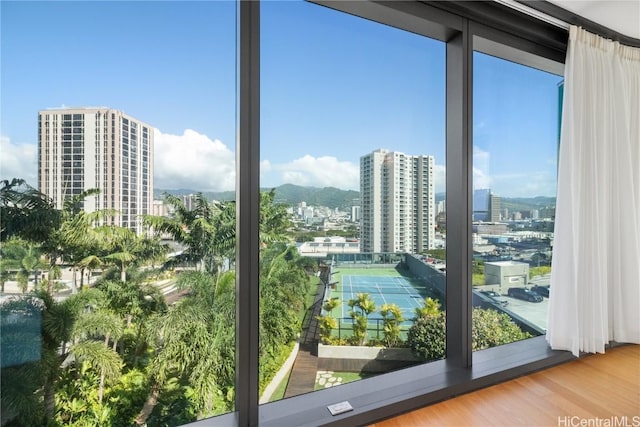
274,219
224,238
124,249
89,263
4,276
25,212
54,274
120,244
78,330
208,230
361,306
283,286
72,250
151,250
392,317
58,325
76,238
24,257
134,304
91,334
195,341
193,228
431,307
195,338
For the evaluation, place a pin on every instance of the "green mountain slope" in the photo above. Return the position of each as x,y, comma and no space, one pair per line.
332,197
288,194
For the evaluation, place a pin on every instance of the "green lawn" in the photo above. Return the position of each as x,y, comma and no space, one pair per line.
313,290
278,394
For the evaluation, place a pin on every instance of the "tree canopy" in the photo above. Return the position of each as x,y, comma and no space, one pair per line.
25,212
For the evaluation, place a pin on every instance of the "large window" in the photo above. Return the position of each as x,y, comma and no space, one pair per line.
515,151
469,313
102,325
352,284
341,178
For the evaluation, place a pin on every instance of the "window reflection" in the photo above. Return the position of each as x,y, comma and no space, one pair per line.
514,159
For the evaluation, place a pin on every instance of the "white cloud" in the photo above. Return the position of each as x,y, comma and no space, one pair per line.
18,161
541,183
192,161
265,166
323,171
481,179
481,174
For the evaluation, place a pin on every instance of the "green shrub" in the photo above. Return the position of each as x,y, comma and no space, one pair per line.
426,337
490,328
326,325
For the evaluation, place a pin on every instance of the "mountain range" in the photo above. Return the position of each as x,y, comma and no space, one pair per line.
332,197
288,194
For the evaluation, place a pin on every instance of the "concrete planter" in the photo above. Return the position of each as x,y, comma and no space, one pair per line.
365,353
280,375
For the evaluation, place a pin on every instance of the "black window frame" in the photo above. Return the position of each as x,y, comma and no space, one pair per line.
460,25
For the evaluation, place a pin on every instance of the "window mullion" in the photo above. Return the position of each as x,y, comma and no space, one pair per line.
248,216
458,176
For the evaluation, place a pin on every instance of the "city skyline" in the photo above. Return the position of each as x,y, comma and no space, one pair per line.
185,85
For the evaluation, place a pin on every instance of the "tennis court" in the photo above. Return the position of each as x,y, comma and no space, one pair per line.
398,290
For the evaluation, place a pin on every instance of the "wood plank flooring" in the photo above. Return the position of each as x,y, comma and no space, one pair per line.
593,391
303,374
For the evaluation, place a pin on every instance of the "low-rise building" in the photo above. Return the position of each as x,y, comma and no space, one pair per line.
323,246
506,274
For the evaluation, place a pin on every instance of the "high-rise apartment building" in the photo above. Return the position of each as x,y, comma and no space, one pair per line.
355,213
486,206
481,202
397,202
494,208
84,148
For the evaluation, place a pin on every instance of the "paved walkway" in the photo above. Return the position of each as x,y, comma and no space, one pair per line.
303,374
328,379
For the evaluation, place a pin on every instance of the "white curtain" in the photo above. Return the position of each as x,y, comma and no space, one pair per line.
595,276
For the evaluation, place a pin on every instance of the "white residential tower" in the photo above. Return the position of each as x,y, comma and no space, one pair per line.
84,148
397,202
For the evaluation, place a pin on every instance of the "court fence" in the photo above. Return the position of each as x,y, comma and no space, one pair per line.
375,329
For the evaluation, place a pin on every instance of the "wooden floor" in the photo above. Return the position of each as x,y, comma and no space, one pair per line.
595,390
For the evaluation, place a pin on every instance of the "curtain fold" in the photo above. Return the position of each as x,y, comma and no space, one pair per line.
595,276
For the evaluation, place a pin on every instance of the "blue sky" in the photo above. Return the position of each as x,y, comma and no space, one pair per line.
334,87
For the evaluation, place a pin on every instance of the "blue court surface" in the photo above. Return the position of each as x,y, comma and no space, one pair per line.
383,290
